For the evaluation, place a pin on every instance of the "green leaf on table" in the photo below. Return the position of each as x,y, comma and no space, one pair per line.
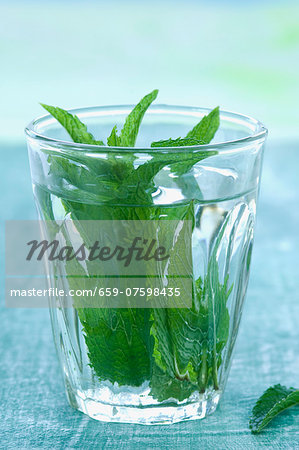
73,125
130,129
205,130
273,401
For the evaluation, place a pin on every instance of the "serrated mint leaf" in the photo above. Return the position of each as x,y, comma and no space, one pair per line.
119,343
130,129
186,164
178,162
114,140
82,181
73,125
179,142
273,401
205,130
164,387
201,134
188,342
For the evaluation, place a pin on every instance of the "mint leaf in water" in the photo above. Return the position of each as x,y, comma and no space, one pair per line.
164,386
73,125
273,401
178,162
188,342
119,343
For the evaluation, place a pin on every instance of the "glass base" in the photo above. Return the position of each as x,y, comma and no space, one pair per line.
146,415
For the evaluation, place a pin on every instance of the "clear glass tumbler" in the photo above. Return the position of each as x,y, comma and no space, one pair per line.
153,365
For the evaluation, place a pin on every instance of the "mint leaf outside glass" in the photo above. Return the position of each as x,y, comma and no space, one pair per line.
274,401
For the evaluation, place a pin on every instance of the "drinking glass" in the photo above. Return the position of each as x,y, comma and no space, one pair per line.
147,363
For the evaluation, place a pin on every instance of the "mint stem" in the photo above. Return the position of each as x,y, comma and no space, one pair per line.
203,373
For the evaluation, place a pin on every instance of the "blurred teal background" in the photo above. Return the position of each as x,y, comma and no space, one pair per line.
240,55
243,56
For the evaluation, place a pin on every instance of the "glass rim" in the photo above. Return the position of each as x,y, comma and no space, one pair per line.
260,132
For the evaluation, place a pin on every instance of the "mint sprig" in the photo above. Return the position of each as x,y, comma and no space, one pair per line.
274,400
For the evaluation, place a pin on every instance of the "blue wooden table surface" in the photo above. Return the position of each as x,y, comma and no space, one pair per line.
34,412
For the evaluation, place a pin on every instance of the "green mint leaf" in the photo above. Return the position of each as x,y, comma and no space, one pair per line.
178,162
131,127
114,140
164,387
186,164
73,125
205,130
188,342
179,142
119,343
201,134
81,181
177,350
273,401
